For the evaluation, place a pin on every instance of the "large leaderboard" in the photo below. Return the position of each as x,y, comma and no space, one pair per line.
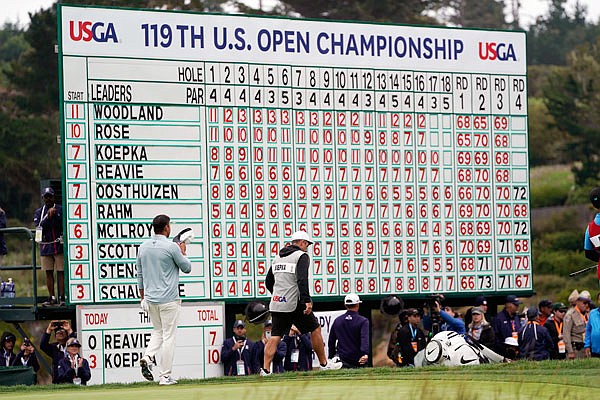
401,150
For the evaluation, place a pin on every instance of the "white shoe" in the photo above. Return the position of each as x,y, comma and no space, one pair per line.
167,380
331,365
264,372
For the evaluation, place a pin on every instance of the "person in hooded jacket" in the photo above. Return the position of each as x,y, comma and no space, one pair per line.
535,342
7,355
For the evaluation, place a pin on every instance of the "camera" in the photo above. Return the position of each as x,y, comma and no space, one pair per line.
57,324
436,319
27,342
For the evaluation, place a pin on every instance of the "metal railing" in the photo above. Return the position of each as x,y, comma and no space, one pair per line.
21,301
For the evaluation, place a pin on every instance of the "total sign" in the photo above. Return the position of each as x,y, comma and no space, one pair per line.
114,339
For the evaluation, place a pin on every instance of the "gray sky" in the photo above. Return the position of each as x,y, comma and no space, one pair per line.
16,10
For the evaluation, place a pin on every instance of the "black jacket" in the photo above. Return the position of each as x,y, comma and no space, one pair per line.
555,355
406,336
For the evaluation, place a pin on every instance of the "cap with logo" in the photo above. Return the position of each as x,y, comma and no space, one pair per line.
511,298
73,342
559,306
48,192
511,341
477,310
301,235
239,323
480,301
352,299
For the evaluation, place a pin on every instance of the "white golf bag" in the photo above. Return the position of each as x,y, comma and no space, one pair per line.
451,349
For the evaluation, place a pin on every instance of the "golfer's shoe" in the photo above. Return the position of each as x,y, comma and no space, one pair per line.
264,372
167,380
146,369
331,365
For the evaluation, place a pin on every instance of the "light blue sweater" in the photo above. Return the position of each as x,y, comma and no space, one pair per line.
158,263
592,332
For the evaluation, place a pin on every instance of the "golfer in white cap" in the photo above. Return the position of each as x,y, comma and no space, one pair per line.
349,336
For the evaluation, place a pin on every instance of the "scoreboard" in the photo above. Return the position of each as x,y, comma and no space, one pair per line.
401,150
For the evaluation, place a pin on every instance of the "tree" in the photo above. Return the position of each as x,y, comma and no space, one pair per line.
573,99
553,36
406,11
475,13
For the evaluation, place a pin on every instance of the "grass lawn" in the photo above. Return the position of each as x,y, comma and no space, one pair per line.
521,380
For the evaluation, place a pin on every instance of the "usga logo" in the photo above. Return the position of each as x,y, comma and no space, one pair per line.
87,30
279,299
497,51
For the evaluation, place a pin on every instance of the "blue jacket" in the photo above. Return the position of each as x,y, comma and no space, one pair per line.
504,326
32,361
66,373
304,346
230,357
453,324
52,229
351,331
592,332
535,342
258,357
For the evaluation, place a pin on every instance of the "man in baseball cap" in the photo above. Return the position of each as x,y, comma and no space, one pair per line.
345,333
287,280
545,307
507,323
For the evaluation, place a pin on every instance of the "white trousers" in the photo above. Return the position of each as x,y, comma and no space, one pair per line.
164,321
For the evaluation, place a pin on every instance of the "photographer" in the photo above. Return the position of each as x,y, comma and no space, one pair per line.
57,350
27,357
450,323
73,368
236,353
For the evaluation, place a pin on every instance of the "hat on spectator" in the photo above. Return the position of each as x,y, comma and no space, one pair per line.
239,323
352,299
480,301
559,306
268,322
573,296
532,313
511,298
48,191
545,303
511,341
412,311
585,297
73,342
477,310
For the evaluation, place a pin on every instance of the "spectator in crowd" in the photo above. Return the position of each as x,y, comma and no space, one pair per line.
258,351
49,231
451,323
73,368
534,340
349,335
507,323
511,348
411,339
480,329
236,353
298,351
3,249
554,325
27,357
393,349
56,350
480,302
573,298
591,243
574,326
592,333
545,307
7,357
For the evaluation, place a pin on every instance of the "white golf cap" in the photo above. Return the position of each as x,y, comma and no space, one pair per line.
301,235
351,299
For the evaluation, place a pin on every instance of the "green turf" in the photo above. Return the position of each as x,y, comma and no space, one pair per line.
522,380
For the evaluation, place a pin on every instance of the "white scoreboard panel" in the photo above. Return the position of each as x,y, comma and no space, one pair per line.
114,338
401,150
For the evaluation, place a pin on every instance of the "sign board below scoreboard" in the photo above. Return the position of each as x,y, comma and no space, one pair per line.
114,338
401,150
